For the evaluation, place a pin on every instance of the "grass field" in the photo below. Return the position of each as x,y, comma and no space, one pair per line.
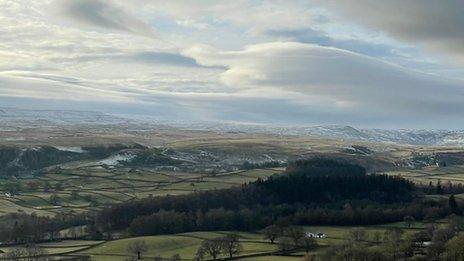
453,174
81,188
186,244
63,247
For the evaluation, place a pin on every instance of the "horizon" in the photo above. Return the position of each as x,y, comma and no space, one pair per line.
275,63
194,124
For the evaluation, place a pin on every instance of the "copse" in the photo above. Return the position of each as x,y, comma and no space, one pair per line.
322,189
324,166
248,206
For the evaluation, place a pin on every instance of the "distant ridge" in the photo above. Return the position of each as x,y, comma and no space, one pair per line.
15,117
403,136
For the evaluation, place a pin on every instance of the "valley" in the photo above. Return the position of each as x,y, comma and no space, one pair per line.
75,171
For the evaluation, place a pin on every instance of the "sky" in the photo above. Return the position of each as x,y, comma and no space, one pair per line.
366,63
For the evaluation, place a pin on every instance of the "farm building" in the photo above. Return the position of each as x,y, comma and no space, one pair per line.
316,235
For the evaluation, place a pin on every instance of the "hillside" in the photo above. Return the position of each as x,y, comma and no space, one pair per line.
13,118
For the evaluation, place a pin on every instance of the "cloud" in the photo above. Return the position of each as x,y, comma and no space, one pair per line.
32,85
105,14
165,58
308,35
435,25
321,70
354,82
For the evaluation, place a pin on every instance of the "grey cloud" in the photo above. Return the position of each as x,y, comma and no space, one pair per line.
309,35
436,25
143,57
354,82
166,58
51,94
105,14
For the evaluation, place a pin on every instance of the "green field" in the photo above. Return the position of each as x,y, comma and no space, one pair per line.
82,188
165,246
63,247
453,174
186,244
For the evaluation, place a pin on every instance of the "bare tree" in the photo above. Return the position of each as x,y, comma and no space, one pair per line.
409,221
393,239
285,244
308,243
272,232
421,237
377,237
358,234
454,249
137,247
35,252
295,233
231,245
54,199
210,247
16,253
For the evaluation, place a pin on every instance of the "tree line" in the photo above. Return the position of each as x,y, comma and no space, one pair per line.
318,191
435,242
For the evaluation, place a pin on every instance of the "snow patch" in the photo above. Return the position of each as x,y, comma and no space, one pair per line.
117,159
70,149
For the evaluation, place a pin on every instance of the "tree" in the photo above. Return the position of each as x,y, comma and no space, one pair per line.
407,246
285,244
93,231
409,221
74,194
439,239
137,247
13,187
34,252
175,257
430,229
454,249
72,232
272,232
33,185
295,233
210,247
308,243
453,205
421,237
231,245
15,253
377,237
439,188
46,186
393,238
456,222
58,186
54,199
357,234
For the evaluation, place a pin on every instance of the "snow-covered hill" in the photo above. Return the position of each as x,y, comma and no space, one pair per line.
413,137
15,117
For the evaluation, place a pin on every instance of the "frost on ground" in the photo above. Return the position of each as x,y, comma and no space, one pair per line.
70,149
117,159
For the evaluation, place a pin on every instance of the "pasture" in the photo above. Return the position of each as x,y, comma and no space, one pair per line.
453,174
85,187
255,246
